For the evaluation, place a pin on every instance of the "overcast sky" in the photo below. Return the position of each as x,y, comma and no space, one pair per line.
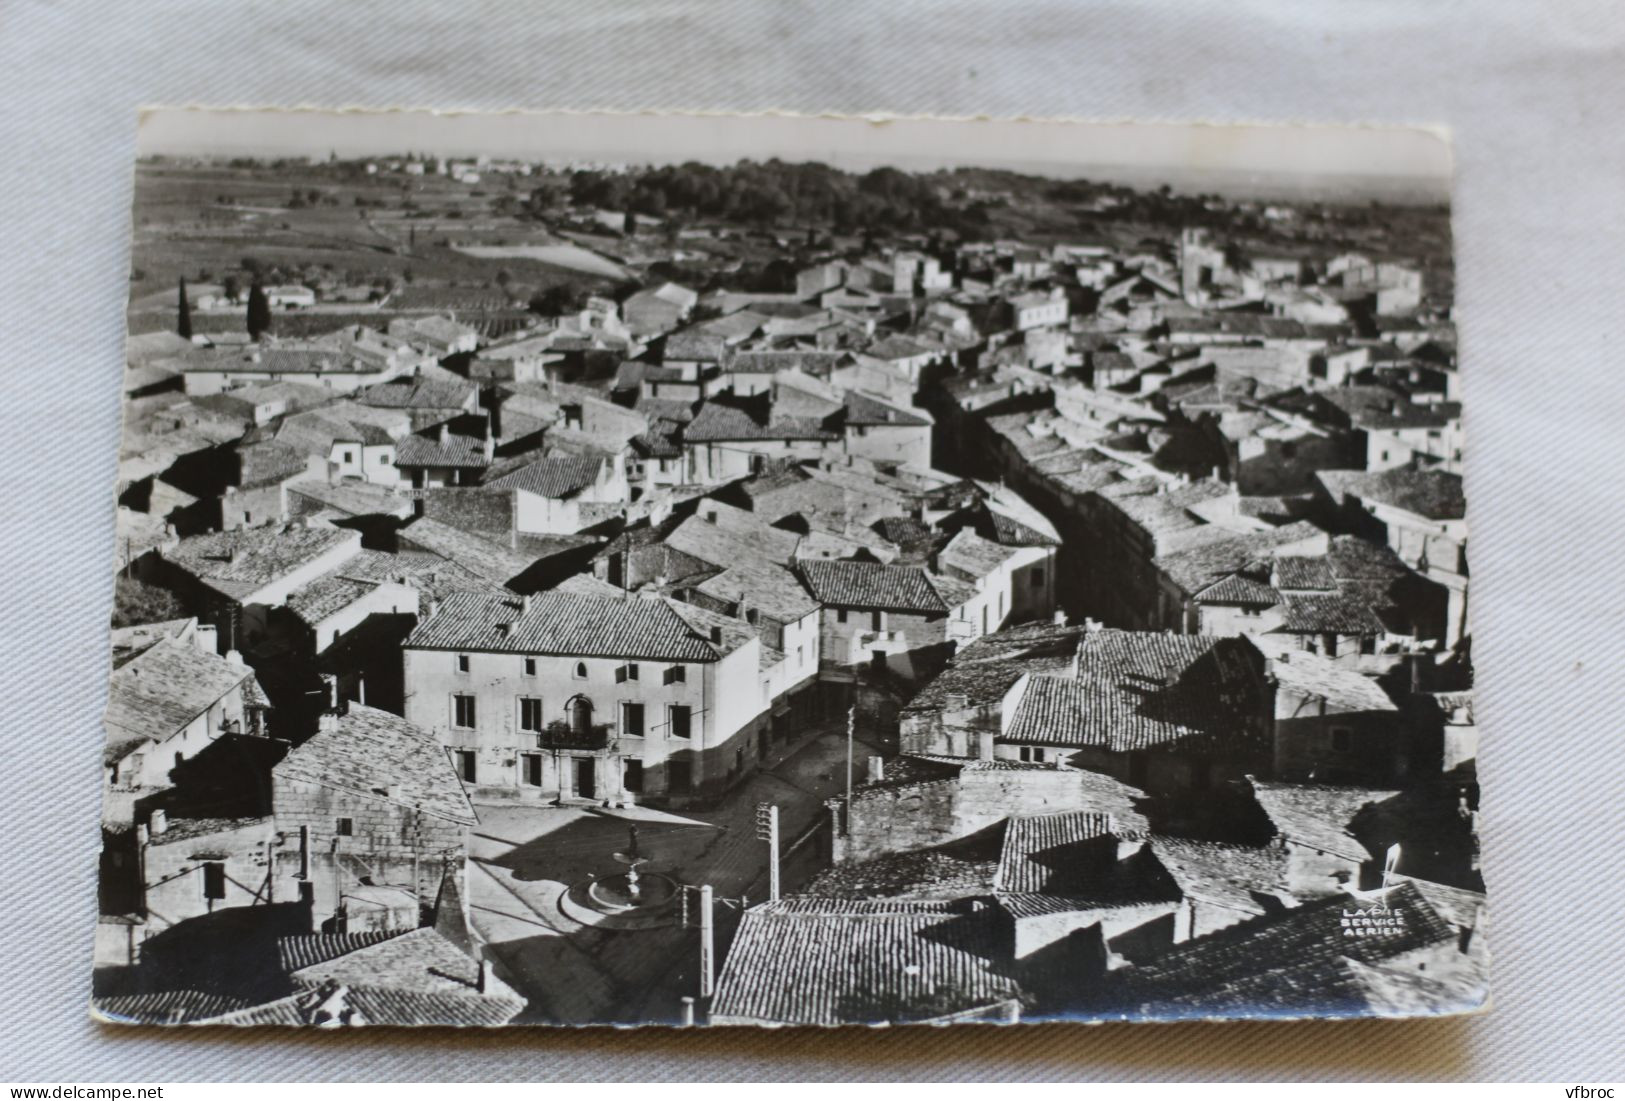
1183,151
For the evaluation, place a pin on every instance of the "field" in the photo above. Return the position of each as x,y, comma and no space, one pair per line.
431,239
572,257
205,223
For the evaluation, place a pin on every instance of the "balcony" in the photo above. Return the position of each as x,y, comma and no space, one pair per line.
562,735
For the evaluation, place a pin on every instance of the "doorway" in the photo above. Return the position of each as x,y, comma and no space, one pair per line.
586,785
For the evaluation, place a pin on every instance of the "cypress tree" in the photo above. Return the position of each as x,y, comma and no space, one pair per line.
630,226
183,322
259,312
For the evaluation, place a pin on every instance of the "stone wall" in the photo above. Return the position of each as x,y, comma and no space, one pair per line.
378,826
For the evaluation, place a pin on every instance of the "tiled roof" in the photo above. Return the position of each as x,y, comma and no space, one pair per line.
562,623
1433,494
417,394
556,476
716,421
982,672
316,431
1138,690
1018,531
1331,613
1343,689
1253,325
734,537
165,1007
381,757
285,360
1356,559
897,347
457,451
944,873
127,642
294,953
861,409
902,529
1239,588
1195,568
421,961
1073,856
240,562
974,555
1228,875
830,962
869,585
496,563
1318,815
159,692
331,1004
732,327
693,346
771,361
763,585
1277,962
1342,987
1300,572
263,464
354,498
330,593
340,587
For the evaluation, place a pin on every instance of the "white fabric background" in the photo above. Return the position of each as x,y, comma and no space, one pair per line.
1533,96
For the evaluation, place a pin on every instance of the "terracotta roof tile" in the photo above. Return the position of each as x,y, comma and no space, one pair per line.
562,623
830,962
381,756
870,585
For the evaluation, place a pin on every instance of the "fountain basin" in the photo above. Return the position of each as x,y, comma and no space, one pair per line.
607,903
617,894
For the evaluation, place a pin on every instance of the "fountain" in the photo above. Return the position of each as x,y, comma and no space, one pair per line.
630,900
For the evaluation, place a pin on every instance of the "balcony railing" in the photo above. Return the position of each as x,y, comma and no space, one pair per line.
562,735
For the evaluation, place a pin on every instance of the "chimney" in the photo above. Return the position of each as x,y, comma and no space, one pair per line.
157,822
327,722
236,658
484,978
716,635
445,434
524,604
877,769
434,609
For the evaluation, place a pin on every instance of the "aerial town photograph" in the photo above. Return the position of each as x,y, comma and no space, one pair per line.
698,590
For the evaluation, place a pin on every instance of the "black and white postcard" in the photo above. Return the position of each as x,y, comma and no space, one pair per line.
770,570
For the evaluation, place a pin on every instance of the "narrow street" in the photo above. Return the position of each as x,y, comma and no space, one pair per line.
522,859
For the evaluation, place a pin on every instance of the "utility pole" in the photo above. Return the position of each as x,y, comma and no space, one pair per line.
851,734
767,828
707,942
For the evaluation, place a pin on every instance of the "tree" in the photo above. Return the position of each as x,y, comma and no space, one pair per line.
135,603
259,312
183,322
230,288
559,299
504,277
630,226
